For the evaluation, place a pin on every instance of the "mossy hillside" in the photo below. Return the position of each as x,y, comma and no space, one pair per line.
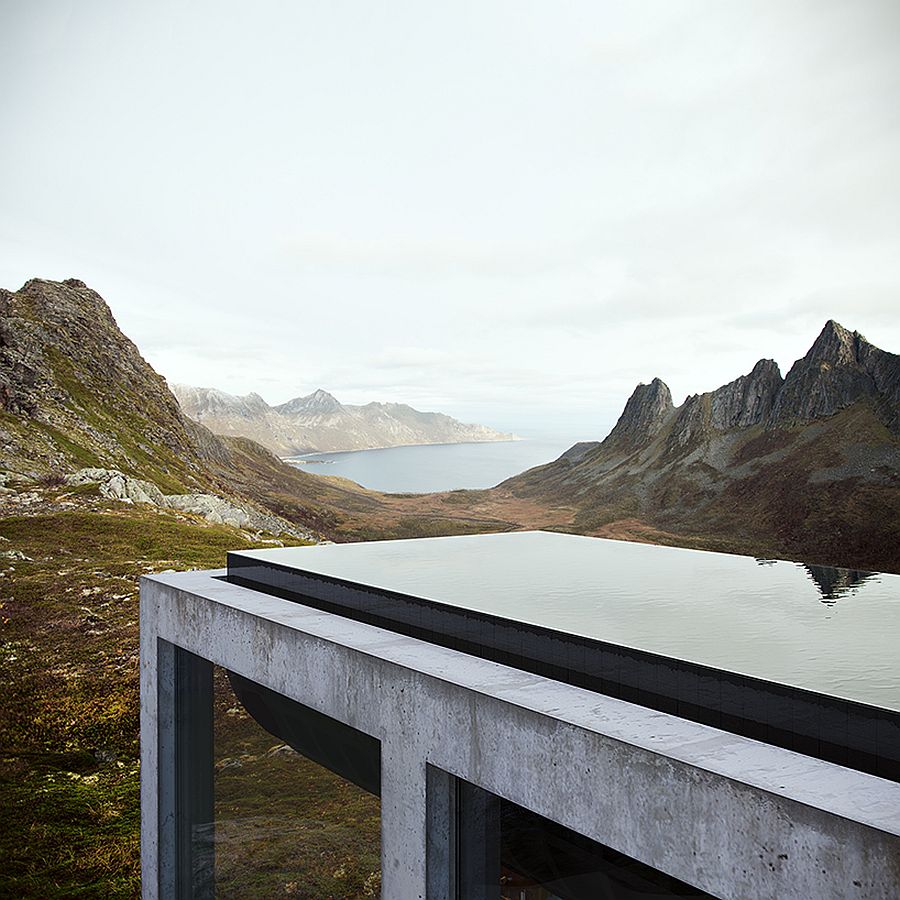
113,429
69,666
77,392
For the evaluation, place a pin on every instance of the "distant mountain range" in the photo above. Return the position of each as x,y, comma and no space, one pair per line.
808,464
319,423
805,466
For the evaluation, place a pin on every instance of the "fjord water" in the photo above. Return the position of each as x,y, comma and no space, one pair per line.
827,630
435,467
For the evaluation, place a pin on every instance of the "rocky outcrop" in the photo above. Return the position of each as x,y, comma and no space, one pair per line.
840,369
692,423
747,400
23,376
116,485
644,415
741,403
223,512
319,422
884,369
578,451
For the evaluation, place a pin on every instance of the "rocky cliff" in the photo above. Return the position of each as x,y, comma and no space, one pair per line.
73,388
319,422
840,369
808,465
748,400
644,415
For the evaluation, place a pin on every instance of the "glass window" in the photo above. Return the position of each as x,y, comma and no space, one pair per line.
296,800
506,852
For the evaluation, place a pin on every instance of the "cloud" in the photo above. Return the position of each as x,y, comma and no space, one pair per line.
414,257
503,210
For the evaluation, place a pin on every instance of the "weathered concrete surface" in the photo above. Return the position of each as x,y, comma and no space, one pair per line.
735,817
154,682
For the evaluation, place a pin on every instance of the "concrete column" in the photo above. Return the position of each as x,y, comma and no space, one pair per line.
403,820
176,768
155,684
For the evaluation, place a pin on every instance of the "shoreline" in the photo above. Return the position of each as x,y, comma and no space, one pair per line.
299,457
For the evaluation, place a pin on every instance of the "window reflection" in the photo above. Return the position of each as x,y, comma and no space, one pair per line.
509,853
289,824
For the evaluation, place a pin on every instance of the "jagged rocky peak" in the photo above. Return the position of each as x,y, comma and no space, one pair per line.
841,368
747,400
57,336
691,423
644,414
836,345
319,401
64,303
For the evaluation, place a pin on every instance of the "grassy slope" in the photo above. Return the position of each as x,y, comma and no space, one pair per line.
69,666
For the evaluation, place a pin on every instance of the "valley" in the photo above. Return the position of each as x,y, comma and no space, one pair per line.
104,478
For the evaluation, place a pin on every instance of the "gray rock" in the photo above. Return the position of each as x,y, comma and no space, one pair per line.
644,415
118,486
217,510
578,451
220,511
14,554
884,369
841,368
691,423
747,400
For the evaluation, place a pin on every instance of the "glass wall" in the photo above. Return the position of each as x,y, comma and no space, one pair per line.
506,852
295,801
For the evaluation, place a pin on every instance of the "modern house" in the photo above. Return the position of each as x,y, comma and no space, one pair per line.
539,715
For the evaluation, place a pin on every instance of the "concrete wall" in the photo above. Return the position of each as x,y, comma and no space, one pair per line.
735,817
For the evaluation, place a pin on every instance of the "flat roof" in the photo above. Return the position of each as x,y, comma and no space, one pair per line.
832,631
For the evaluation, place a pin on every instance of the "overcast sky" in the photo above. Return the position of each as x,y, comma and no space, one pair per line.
508,211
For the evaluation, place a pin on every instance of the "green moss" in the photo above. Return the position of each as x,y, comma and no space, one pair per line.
84,826
120,420
111,537
79,454
70,712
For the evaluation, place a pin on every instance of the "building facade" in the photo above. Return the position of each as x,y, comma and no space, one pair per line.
495,779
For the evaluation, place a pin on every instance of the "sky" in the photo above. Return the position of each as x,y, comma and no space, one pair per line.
511,212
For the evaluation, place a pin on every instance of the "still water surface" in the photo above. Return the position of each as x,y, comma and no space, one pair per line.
829,630
434,467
